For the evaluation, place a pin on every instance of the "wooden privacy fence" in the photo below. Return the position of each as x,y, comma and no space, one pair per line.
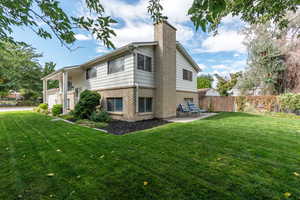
240,103
218,104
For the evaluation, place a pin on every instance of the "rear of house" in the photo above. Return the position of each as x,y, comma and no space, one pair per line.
141,80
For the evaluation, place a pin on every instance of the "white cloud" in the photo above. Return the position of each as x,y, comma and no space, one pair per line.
82,37
225,40
220,67
101,49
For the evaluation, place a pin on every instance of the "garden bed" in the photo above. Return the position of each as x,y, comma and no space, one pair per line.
123,127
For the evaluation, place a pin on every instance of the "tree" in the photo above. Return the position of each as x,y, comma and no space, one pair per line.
48,69
28,13
272,57
207,14
227,83
204,81
155,10
20,70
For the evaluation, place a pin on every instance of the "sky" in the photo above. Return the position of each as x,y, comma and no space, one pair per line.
222,54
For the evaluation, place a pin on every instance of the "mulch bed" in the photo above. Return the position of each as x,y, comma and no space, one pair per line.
122,127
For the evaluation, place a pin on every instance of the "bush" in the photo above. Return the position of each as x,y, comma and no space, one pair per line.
69,117
43,106
91,124
101,125
57,109
88,102
290,102
27,103
100,116
240,103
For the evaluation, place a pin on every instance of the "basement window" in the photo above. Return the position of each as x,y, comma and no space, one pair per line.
114,104
144,62
145,104
187,75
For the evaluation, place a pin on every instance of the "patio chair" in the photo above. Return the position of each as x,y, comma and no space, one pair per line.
195,109
183,108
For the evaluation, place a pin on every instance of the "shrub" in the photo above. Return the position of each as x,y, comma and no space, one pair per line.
101,125
69,117
43,106
240,103
57,109
27,103
100,116
87,104
290,102
91,124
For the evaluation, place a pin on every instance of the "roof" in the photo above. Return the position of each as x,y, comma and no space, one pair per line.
123,49
203,91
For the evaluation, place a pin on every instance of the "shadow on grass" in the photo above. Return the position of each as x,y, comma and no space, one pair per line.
223,115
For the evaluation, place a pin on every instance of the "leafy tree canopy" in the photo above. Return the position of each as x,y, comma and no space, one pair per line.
227,83
28,13
19,68
204,81
207,14
272,57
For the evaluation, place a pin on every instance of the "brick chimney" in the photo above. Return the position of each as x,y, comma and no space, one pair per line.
165,70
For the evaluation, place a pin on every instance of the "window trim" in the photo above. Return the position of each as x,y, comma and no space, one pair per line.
123,67
114,105
145,104
145,61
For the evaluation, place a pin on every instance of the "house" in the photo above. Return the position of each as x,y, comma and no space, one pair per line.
141,80
254,92
208,92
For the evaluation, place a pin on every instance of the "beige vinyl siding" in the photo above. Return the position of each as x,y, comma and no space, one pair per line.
184,85
118,79
145,78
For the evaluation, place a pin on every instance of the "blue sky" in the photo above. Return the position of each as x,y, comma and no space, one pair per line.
223,53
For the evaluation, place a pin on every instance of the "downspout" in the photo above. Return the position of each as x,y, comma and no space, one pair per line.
135,84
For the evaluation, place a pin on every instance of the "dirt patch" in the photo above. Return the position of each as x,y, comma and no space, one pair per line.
122,127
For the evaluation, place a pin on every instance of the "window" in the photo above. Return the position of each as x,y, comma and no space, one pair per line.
144,62
116,65
91,73
188,100
145,104
70,86
187,75
68,104
114,104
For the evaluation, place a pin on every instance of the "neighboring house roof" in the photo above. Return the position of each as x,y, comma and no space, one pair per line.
208,92
123,49
202,92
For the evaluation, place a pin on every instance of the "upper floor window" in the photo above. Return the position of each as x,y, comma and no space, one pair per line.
116,65
91,73
144,62
187,75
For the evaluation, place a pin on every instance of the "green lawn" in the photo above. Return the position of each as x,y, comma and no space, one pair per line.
229,156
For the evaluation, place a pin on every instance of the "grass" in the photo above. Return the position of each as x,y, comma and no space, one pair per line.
229,156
